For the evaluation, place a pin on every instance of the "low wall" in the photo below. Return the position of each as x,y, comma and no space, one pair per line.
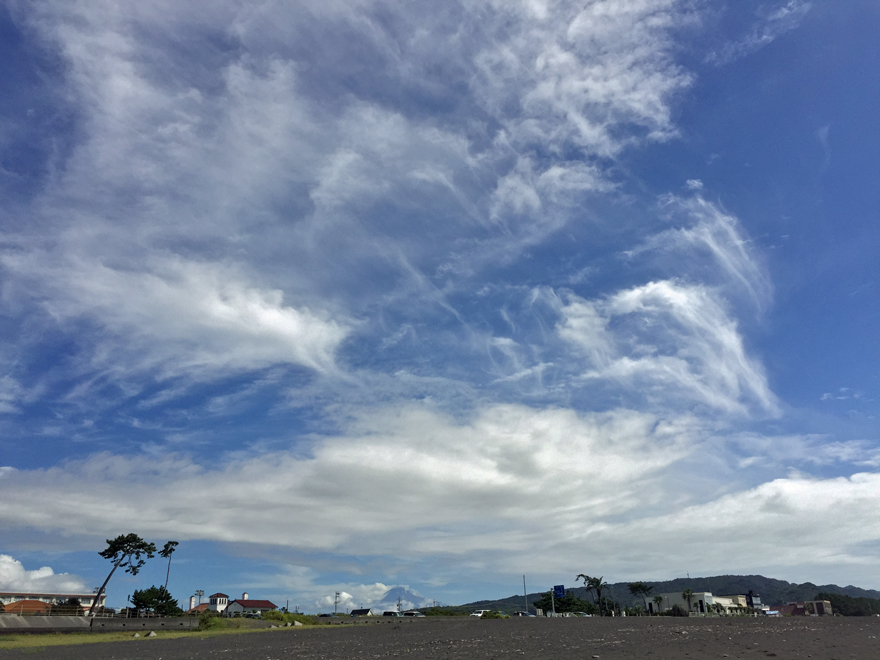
14,623
171,623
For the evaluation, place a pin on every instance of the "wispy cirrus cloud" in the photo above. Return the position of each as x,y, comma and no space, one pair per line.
670,342
771,24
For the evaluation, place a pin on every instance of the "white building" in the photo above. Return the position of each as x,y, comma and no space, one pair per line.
85,600
218,602
701,602
246,605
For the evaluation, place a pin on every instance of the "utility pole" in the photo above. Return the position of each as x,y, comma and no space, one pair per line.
553,602
200,593
525,595
335,602
398,603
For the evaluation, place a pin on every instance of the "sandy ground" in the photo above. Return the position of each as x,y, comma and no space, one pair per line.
541,639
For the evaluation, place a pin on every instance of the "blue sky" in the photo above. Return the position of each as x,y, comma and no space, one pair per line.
350,295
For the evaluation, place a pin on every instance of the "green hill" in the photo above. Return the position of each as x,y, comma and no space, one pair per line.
771,591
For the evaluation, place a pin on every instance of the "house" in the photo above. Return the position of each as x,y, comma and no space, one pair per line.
246,605
86,600
365,612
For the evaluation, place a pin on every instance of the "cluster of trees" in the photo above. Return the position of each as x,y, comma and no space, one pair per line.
849,606
568,603
155,600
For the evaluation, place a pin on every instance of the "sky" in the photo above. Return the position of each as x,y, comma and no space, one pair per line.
346,296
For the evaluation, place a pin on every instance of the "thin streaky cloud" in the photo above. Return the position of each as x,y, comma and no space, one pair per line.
767,29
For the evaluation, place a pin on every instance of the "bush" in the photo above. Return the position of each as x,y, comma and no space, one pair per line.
446,611
209,620
494,615
274,615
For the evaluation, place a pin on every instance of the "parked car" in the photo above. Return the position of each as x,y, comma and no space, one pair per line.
413,614
391,613
480,612
523,614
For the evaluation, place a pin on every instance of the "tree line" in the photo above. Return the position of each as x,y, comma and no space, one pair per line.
849,606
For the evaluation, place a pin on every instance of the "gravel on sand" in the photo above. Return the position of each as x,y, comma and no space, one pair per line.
653,638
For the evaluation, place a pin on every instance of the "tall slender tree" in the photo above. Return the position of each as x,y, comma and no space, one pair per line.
688,594
125,550
594,584
658,601
166,551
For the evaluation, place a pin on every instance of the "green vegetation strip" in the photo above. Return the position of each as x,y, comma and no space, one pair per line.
41,640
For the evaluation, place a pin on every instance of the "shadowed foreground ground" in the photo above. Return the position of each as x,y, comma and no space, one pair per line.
542,639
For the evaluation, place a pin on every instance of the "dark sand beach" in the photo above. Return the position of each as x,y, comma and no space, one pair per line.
546,639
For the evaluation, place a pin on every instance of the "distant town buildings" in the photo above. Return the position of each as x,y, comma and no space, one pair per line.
220,602
28,602
704,602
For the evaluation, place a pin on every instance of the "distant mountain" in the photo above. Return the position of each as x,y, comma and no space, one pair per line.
408,600
772,592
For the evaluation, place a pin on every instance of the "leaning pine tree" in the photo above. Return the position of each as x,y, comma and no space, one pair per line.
126,551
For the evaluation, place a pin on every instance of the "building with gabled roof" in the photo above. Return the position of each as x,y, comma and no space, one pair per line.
218,602
7,598
245,605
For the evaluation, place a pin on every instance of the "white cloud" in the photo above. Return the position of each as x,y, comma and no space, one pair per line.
671,341
574,73
709,231
10,394
188,317
774,24
395,481
15,577
828,526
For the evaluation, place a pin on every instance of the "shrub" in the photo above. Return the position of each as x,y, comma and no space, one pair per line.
494,615
209,620
274,615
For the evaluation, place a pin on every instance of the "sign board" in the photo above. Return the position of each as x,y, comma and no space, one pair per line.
559,591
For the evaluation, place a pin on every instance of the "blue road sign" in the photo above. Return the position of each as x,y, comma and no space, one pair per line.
559,591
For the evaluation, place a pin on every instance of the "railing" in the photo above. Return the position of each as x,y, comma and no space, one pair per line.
97,615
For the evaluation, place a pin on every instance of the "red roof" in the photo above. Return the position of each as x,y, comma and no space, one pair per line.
27,607
218,595
198,608
256,604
